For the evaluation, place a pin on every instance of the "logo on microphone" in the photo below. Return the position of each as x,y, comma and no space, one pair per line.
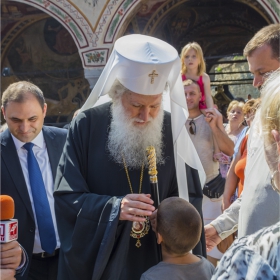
13,230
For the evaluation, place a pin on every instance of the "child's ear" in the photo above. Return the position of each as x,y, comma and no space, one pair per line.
159,238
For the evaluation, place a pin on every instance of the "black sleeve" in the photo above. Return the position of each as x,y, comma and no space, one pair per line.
87,222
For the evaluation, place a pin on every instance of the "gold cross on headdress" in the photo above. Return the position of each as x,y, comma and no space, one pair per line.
153,75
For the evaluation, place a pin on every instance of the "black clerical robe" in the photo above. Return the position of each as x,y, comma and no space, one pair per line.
89,189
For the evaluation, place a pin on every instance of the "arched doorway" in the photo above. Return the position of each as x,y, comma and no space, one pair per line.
222,28
38,48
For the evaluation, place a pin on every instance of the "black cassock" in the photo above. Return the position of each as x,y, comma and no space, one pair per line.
89,188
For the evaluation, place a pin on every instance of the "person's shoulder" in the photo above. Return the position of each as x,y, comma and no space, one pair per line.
4,135
205,77
247,262
206,263
204,268
92,115
153,272
167,121
56,130
167,115
98,111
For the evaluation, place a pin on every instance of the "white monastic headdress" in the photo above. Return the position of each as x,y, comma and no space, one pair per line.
144,65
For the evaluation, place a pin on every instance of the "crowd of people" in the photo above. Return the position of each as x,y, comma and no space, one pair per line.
83,194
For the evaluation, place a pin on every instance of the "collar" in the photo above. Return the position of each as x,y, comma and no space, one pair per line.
189,119
38,141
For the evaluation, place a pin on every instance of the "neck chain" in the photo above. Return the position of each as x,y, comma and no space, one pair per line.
139,229
128,179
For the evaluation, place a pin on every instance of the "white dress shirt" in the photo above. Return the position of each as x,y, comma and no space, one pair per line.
41,154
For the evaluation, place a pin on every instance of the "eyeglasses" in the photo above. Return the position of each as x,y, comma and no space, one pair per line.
192,128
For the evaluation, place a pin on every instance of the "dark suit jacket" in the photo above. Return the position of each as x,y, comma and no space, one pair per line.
13,182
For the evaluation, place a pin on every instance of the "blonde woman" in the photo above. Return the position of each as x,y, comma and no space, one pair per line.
235,130
235,175
235,120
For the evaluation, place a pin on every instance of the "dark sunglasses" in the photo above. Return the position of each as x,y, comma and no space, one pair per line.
192,128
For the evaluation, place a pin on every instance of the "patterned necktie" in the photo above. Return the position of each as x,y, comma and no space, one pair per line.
41,203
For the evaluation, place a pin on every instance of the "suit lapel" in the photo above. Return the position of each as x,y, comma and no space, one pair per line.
53,149
10,157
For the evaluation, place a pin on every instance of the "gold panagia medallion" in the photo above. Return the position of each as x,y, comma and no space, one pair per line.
140,229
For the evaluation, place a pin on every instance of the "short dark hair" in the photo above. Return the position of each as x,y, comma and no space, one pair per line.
16,92
269,35
179,224
189,82
239,99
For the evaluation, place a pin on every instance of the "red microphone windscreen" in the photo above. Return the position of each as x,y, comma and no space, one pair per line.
7,207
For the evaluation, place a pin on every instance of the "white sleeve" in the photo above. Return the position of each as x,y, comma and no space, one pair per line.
227,223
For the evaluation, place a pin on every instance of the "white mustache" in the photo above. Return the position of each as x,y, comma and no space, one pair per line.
141,121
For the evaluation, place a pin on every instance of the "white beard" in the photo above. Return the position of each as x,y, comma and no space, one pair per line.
129,141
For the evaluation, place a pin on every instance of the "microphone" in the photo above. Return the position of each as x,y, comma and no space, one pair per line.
8,225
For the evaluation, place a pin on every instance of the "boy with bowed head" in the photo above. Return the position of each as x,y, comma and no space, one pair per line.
178,231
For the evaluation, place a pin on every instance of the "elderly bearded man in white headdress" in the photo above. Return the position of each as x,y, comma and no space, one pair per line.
102,196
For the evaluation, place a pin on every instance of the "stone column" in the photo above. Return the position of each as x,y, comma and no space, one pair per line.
92,75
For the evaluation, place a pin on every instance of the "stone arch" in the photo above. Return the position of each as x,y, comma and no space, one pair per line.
48,57
73,20
222,29
267,9
119,20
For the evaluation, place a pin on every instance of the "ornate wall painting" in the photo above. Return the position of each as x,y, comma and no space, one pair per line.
118,18
46,55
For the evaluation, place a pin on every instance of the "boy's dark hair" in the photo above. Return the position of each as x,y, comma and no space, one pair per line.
240,99
179,224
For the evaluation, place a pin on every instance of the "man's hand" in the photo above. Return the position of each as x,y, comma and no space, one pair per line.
11,254
133,206
153,220
213,117
7,274
212,238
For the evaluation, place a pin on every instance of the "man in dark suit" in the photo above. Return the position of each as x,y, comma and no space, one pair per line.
30,153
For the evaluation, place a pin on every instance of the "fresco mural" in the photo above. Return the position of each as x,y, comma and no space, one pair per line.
56,43
220,28
45,54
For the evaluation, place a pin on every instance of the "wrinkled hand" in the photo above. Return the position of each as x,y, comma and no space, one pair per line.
11,254
133,206
153,220
7,274
213,117
211,236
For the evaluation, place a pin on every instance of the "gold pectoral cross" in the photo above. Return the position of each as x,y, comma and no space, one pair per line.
153,75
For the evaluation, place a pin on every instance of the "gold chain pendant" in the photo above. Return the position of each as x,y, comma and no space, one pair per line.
140,229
